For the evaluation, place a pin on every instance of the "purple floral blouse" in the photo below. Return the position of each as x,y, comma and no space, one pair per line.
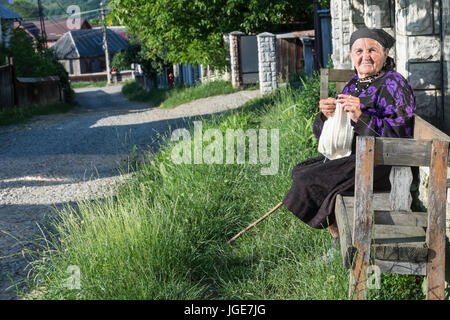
387,106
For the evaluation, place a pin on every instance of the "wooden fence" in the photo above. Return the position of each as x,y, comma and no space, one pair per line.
6,87
289,56
291,53
38,91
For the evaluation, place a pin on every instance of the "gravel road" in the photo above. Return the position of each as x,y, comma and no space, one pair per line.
58,159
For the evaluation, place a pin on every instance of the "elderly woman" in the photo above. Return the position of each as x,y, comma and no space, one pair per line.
380,102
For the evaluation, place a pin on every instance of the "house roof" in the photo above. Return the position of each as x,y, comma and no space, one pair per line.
87,43
54,29
296,34
8,14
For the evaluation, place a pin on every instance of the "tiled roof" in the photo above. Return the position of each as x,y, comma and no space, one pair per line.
54,29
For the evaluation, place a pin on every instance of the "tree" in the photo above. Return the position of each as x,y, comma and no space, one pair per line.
27,10
191,31
31,61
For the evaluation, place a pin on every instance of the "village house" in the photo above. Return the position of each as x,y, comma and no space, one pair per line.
54,29
7,18
81,51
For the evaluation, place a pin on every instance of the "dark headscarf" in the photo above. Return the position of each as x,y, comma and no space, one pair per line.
384,38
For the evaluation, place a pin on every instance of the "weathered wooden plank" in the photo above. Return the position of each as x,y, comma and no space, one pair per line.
401,218
345,231
401,267
279,55
425,131
291,56
324,83
340,75
380,201
385,234
400,196
362,220
285,53
340,86
416,252
300,62
402,152
437,200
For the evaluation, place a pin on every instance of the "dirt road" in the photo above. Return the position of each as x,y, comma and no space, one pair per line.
58,159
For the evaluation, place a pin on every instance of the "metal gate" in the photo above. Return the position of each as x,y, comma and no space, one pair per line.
248,54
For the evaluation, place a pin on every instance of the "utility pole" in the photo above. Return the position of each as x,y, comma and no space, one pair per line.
105,44
41,19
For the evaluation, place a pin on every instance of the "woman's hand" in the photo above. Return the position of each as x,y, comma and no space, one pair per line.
350,104
327,106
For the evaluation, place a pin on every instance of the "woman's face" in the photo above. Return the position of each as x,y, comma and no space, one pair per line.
368,56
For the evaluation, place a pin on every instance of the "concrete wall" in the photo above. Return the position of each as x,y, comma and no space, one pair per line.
421,52
101,76
5,31
72,66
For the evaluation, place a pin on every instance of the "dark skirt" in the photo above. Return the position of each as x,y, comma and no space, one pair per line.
316,183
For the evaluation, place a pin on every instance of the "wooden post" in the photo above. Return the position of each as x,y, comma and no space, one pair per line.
363,216
13,81
105,44
324,83
435,237
401,179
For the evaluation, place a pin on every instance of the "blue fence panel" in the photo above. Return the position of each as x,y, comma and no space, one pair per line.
325,25
308,54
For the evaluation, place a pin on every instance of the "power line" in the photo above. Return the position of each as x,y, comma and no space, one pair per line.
41,18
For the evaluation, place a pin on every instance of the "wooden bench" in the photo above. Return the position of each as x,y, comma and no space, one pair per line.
379,229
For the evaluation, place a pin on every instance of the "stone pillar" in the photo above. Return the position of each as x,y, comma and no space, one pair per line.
445,29
419,54
267,62
203,73
195,74
236,80
176,73
341,27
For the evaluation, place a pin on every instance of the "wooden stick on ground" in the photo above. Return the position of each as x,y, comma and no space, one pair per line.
256,222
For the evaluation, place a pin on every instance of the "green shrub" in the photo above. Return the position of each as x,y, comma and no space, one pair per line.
121,61
35,62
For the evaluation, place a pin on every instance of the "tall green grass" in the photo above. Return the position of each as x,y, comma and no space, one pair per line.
169,98
163,234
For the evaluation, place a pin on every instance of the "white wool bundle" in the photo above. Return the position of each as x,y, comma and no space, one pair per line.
337,134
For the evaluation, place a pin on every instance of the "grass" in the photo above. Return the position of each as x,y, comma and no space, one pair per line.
169,98
84,84
163,234
17,115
